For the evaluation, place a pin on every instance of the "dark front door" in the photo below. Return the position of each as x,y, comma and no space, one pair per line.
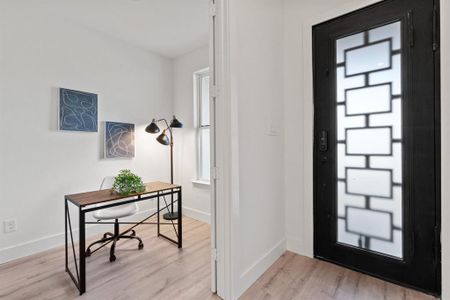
376,156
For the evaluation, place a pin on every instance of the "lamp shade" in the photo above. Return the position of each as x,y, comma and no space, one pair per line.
175,123
152,128
163,138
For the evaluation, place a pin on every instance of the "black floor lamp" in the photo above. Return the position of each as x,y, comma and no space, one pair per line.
166,141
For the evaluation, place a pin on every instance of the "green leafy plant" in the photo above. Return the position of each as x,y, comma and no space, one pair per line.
128,183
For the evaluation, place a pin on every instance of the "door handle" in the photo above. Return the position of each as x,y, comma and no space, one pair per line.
323,141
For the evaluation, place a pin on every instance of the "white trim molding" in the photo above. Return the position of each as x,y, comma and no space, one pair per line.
197,214
249,276
295,245
226,186
52,241
202,182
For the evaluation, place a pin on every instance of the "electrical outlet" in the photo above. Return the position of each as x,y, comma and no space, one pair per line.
10,225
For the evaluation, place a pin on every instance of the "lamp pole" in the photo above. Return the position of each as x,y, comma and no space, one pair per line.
171,215
162,138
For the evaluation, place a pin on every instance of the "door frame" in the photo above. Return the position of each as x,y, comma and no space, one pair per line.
224,191
212,69
309,94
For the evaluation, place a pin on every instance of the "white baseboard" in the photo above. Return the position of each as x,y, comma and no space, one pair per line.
52,241
249,276
197,214
295,245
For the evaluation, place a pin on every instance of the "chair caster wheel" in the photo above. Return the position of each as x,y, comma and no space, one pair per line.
141,246
112,258
133,233
88,253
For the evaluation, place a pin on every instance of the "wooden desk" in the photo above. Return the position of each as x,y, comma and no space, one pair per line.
95,200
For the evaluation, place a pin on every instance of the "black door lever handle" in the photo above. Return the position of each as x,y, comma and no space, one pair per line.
323,141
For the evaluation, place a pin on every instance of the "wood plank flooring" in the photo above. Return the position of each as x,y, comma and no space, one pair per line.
159,271
301,278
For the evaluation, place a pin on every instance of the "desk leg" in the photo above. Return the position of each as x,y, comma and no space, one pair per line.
66,209
157,208
82,253
180,218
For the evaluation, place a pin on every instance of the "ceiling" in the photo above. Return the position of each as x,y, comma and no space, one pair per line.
167,27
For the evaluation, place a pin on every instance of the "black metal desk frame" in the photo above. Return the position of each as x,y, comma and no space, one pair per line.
80,268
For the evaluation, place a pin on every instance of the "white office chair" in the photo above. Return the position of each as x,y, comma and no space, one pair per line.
114,213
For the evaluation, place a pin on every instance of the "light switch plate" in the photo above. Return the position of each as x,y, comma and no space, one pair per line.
271,130
9,225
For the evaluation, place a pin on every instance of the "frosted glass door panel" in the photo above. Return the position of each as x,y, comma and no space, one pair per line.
373,141
361,220
369,140
373,182
369,100
368,58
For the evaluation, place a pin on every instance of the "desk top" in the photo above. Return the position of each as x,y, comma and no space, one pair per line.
95,197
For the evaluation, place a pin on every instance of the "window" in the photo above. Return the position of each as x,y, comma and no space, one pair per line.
201,98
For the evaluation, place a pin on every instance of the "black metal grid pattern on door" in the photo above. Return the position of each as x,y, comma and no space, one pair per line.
369,140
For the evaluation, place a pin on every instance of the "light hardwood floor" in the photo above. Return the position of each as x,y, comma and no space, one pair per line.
161,271
297,277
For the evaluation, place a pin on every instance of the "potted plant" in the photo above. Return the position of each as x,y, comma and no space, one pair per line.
127,183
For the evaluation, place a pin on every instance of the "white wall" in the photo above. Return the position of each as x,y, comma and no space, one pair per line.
298,18
256,77
39,52
196,197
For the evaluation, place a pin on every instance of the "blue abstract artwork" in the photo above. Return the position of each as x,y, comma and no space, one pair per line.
119,140
78,111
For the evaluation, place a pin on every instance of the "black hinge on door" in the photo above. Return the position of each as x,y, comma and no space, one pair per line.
410,29
435,29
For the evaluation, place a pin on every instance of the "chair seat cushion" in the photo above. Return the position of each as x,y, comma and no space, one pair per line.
116,212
